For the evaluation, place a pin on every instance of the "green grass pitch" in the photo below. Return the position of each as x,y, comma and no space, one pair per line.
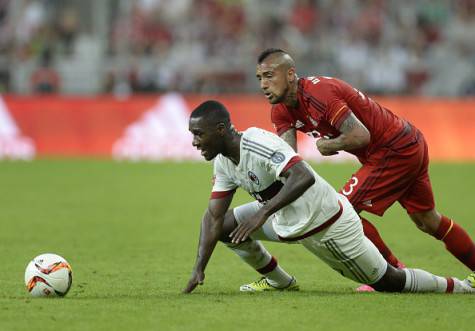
130,232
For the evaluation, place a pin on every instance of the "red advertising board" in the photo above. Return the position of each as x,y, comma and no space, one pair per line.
155,127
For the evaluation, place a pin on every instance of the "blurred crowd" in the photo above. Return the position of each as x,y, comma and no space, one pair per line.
405,47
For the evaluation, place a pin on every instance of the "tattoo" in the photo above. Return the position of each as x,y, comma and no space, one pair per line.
354,134
290,137
292,97
349,124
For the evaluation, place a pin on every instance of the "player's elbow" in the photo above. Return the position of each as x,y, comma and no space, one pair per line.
300,176
364,141
366,138
307,179
360,139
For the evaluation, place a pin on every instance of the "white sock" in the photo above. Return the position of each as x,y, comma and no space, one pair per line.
253,253
418,280
278,277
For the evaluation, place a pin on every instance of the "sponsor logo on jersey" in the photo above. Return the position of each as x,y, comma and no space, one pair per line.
277,157
253,177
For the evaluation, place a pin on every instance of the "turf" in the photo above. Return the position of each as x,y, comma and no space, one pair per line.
130,232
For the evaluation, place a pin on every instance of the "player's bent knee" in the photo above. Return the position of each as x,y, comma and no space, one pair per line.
428,221
392,281
228,226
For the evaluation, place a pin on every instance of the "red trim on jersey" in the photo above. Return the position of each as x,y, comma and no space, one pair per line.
319,228
293,161
450,285
344,116
269,267
336,114
221,194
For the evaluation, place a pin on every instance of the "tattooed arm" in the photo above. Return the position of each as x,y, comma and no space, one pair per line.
290,137
353,135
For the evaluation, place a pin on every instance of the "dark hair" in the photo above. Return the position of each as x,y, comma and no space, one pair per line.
268,52
213,111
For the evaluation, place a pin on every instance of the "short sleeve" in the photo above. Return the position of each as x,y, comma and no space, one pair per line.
338,111
278,156
337,108
281,119
223,184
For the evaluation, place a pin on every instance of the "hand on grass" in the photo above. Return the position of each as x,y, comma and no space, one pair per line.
197,278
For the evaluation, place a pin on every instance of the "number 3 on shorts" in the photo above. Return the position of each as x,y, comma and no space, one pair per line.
351,184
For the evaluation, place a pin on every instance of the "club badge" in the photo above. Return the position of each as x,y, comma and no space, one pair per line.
277,157
253,177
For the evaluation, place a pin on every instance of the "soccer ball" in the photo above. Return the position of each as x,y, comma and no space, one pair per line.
48,275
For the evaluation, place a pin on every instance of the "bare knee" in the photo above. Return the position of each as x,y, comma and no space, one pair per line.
427,221
228,226
392,281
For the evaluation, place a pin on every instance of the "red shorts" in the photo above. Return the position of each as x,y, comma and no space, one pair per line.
399,173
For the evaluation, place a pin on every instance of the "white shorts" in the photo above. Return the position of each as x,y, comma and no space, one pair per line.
343,245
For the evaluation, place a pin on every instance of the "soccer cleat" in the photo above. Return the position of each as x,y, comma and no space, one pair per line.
262,285
464,286
470,281
365,288
401,265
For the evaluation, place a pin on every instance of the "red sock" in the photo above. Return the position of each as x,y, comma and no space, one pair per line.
457,241
372,233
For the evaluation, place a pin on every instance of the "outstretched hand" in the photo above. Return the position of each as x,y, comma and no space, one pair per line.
197,278
246,228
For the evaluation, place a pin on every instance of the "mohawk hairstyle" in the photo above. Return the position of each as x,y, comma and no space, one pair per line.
268,52
212,111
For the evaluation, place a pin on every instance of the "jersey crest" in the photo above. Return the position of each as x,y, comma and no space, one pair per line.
252,176
277,157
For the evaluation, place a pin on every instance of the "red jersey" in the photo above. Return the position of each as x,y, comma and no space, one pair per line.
325,102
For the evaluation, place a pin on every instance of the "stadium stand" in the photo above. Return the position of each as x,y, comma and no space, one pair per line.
120,46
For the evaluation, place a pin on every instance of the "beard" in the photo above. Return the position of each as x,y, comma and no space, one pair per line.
280,98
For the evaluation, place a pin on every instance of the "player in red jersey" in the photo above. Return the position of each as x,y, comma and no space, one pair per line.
393,153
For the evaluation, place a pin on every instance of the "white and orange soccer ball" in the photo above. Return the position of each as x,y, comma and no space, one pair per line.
48,275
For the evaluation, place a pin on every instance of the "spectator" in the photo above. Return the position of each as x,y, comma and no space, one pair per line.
45,79
209,45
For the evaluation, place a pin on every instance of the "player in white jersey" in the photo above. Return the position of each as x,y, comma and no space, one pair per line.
262,159
293,204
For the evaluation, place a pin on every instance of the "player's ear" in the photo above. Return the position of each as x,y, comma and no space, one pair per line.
221,128
291,75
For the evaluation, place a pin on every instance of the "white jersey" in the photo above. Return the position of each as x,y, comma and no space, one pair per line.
263,157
